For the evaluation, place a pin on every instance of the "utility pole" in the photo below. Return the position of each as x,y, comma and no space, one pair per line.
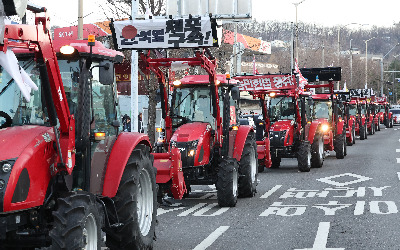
366,61
351,64
297,32
134,78
80,19
292,51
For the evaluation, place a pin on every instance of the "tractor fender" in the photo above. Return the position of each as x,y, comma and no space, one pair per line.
240,140
313,129
339,127
120,153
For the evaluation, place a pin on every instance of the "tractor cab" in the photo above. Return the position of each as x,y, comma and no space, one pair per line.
191,100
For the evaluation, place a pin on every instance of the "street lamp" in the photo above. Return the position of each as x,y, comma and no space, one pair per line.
366,61
351,64
382,66
297,31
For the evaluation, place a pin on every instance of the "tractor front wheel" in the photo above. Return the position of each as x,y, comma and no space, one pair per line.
354,135
304,156
340,146
227,182
77,222
362,133
317,151
135,203
378,127
276,161
248,167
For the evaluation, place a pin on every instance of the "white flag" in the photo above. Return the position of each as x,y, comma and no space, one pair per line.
9,62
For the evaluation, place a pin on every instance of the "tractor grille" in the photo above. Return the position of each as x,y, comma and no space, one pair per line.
277,138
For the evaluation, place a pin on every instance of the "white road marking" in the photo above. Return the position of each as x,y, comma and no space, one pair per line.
202,211
191,210
360,207
328,180
397,150
268,193
322,238
398,175
398,160
211,238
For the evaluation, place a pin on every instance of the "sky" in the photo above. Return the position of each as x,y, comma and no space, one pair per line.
322,12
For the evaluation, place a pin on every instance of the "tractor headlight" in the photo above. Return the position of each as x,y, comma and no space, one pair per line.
325,127
6,167
191,153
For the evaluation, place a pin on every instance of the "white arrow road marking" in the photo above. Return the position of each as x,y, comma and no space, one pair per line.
322,238
398,160
268,193
398,175
211,238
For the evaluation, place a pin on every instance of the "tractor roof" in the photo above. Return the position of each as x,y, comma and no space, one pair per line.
321,96
205,80
81,47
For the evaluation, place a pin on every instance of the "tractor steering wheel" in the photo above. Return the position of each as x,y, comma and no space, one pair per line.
8,120
184,120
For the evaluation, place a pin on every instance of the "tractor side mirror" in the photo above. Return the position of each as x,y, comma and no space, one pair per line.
115,123
235,93
106,73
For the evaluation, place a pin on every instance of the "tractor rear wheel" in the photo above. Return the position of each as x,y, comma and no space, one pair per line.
378,126
340,146
248,168
304,156
354,135
317,151
391,123
227,182
362,133
77,222
135,203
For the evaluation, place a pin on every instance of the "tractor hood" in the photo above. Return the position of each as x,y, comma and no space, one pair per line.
14,140
282,125
190,131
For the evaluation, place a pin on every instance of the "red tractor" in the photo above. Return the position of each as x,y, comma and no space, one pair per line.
327,108
292,134
61,186
386,117
349,118
374,110
214,148
357,114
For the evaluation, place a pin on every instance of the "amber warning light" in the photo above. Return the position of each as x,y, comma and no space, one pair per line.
91,40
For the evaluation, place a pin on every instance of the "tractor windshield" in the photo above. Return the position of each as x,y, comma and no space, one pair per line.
192,105
15,110
353,109
282,108
322,109
363,109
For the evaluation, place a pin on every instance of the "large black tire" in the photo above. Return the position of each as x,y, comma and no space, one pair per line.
354,134
248,168
227,182
135,203
261,166
317,151
371,130
362,133
340,146
378,126
391,123
304,156
276,161
77,222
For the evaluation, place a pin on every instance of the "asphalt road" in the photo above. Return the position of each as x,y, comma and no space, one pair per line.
351,203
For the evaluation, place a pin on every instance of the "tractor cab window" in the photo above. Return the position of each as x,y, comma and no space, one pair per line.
282,108
192,105
322,109
353,109
102,96
363,109
15,110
